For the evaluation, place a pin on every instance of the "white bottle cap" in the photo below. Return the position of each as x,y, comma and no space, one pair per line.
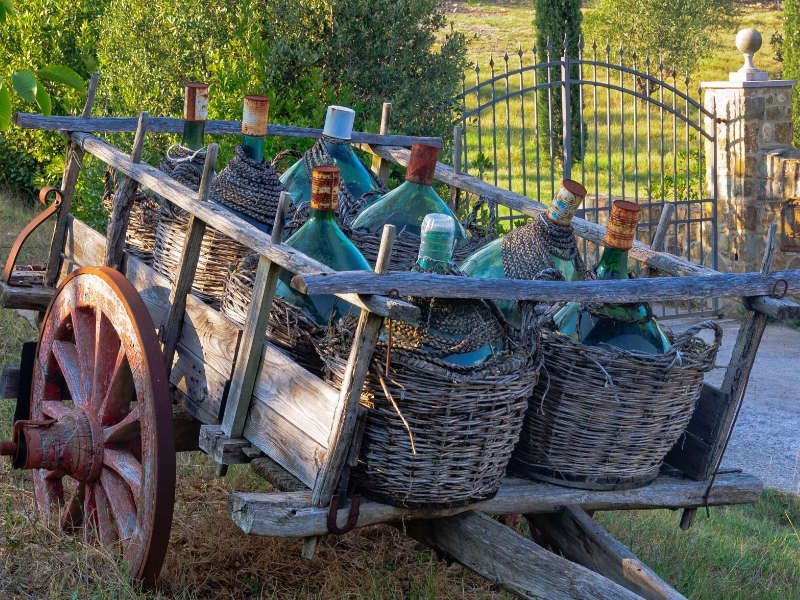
438,222
339,122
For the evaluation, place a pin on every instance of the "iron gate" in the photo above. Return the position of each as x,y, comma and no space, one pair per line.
641,137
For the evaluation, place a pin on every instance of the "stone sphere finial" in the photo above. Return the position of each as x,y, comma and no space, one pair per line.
748,42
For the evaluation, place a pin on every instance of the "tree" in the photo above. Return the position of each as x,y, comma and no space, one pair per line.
791,55
557,20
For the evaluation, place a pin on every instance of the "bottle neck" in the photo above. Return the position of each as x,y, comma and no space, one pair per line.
253,147
613,264
435,249
193,134
316,214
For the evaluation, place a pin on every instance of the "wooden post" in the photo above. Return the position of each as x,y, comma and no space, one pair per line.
380,166
72,169
124,196
660,236
171,328
457,154
248,357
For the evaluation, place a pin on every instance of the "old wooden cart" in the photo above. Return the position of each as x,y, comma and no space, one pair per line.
131,368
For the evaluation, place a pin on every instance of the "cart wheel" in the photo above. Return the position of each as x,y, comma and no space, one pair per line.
100,439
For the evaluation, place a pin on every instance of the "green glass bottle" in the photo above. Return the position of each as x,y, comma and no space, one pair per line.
628,326
195,112
321,239
406,206
332,149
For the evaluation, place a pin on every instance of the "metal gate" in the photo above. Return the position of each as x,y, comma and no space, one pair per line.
641,136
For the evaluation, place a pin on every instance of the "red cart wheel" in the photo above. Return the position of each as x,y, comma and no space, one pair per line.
100,439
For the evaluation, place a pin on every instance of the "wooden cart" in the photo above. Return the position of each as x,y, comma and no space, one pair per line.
152,370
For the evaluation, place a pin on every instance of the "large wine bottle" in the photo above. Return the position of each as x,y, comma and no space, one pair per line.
406,206
255,120
322,239
333,149
195,112
627,326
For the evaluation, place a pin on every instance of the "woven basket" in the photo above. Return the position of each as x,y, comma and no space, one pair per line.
141,236
436,435
289,328
218,253
602,418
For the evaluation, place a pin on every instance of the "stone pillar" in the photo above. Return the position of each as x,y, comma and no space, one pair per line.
754,123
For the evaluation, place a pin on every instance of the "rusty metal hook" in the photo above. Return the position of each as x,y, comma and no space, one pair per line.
352,517
11,261
779,294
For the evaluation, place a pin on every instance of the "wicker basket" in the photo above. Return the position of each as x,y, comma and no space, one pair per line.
602,418
436,435
141,236
289,328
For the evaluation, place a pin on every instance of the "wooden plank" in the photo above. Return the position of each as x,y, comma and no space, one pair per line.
213,127
457,155
780,309
190,254
220,448
248,357
232,225
72,169
9,382
512,561
380,166
579,538
295,515
344,422
120,216
32,298
727,285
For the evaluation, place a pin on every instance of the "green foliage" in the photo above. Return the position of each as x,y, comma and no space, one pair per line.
680,32
6,8
63,74
555,21
25,84
791,55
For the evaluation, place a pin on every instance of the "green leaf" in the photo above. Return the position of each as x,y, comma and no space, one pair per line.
5,108
63,74
25,83
44,101
6,8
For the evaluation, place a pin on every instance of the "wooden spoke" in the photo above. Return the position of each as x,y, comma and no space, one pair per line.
125,430
55,409
66,355
73,516
84,328
122,507
106,353
127,467
120,392
106,531
48,490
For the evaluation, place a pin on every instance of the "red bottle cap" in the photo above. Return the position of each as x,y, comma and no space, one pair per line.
255,116
622,225
325,188
195,102
422,164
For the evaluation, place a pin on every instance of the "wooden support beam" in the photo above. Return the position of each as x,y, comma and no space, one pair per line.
380,166
213,127
221,448
579,538
295,515
781,309
120,216
248,357
170,330
457,155
9,382
229,223
72,169
660,236
512,561
720,285
29,298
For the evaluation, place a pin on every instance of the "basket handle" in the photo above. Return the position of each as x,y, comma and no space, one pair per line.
710,325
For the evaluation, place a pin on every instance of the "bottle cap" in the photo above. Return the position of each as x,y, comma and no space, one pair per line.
195,102
255,116
422,164
339,122
566,202
325,188
621,229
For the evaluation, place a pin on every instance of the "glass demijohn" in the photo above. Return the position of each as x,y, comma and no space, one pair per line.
195,113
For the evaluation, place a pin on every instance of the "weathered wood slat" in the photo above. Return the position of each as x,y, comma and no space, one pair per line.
294,515
722,285
213,127
581,539
230,224
780,309
32,298
512,561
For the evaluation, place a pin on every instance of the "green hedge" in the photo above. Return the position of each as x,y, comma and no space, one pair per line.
791,56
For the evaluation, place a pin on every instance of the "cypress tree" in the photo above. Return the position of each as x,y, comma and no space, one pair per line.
791,55
556,19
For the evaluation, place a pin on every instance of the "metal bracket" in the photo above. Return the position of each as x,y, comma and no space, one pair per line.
352,516
30,228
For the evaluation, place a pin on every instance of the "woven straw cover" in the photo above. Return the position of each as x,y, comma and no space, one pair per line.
436,434
604,418
141,235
